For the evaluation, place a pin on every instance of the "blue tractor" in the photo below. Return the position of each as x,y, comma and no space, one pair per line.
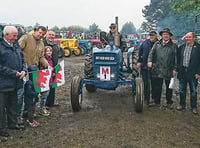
106,69
85,46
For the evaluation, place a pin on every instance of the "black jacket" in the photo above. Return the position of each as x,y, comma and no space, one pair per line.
11,61
110,38
55,50
194,63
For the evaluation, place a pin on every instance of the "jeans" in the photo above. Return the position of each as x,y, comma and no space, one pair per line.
193,92
43,98
31,111
20,102
51,98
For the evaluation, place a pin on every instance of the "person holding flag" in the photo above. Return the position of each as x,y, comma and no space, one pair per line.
44,95
32,47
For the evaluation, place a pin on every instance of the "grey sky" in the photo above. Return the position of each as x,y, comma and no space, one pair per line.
72,12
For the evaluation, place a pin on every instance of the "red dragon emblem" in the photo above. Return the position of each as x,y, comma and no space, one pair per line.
41,78
58,76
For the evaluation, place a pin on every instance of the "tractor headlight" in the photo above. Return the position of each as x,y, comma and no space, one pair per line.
89,45
112,75
98,75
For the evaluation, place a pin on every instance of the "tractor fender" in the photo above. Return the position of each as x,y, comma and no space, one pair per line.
129,53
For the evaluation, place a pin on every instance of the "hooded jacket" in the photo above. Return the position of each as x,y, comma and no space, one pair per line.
30,95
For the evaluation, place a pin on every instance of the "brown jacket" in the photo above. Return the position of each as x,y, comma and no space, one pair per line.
33,50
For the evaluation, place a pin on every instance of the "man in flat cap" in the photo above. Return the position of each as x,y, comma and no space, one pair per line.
110,36
142,62
162,60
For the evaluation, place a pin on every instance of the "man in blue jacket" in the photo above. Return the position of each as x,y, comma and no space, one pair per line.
12,71
142,62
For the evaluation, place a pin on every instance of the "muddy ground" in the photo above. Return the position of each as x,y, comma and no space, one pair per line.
107,120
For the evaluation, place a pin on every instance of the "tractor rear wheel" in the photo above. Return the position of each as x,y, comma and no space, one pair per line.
77,52
138,97
135,72
88,69
76,96
67,52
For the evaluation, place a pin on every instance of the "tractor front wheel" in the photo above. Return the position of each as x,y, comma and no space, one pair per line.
77,52
138,97
76,95
67,52
83,50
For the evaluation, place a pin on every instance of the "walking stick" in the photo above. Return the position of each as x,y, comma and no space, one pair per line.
148,85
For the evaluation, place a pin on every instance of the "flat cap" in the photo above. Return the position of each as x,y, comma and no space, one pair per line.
152,33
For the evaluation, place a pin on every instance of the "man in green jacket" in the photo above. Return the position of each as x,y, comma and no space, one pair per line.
163,61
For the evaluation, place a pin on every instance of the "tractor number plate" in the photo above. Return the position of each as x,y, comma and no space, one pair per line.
105,73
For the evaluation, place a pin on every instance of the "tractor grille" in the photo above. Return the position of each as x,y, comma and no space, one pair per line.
106,67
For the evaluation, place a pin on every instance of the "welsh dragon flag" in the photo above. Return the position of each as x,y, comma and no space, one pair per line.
41,80
59,77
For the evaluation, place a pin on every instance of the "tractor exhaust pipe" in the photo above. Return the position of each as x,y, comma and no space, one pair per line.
116,35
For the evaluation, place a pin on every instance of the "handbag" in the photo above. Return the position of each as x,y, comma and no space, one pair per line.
173,83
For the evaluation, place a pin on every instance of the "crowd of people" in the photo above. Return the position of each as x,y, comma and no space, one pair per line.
161,60
18,59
